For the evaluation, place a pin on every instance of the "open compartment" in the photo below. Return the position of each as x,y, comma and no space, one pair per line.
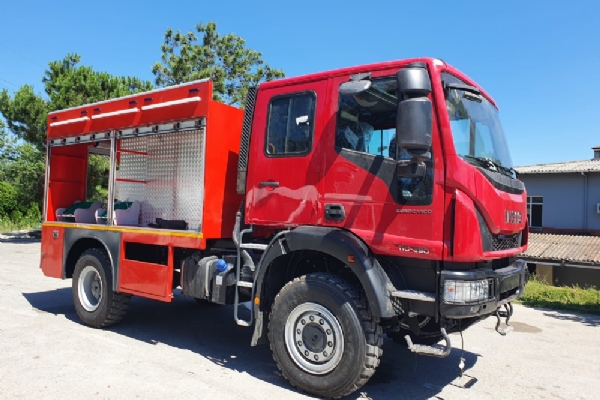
162,176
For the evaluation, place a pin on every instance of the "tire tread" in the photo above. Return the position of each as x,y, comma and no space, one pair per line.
370,326
120,301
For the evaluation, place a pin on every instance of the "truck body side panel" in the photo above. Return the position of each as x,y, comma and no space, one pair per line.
148,279
221,201
52,251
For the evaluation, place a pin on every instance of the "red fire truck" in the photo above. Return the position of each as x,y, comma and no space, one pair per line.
340,205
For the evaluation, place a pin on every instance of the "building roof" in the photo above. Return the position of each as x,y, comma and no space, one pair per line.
562,167
563,248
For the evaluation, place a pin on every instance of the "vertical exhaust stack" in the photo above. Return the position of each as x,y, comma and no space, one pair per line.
596,152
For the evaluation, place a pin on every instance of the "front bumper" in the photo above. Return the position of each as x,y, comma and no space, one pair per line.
506,284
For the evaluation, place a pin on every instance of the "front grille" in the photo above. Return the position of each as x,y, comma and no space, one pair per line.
505,242
491,242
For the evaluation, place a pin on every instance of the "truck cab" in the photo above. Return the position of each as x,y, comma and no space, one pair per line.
396,176
435,200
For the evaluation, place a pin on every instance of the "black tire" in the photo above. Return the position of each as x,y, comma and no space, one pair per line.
430,334
110,306
204,303
361,334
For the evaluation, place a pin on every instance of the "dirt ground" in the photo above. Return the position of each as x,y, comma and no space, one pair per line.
183,350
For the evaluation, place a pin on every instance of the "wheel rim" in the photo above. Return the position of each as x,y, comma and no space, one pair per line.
314,339
90,288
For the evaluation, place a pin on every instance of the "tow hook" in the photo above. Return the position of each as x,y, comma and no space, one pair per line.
506,313
437,351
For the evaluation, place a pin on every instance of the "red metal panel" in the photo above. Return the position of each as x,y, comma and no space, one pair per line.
145,279
52,251
221,201
68,174
152,280
142,278
115,113
467,235
161,238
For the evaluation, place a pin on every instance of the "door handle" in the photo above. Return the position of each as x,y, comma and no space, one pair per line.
269,184
335,212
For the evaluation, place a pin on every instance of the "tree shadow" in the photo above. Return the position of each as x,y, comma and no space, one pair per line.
586,319
210,332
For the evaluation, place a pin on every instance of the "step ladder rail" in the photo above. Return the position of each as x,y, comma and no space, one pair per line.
238,269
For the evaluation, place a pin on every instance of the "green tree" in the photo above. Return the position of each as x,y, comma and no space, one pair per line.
226,60
66,84
21,178
8,199
24,171
97,177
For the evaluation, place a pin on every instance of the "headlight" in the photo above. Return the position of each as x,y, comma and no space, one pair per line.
461,292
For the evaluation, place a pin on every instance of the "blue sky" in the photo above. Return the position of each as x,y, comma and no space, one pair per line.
538,59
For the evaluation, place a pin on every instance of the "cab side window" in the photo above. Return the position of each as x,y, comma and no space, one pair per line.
366,124
290,125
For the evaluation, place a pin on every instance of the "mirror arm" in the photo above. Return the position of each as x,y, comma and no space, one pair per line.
366,76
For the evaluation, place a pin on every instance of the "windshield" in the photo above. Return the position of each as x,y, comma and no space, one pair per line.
476,129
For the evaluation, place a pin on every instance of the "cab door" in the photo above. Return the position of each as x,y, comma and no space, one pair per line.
285,157
393,215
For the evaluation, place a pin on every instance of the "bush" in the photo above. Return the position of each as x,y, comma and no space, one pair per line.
574,298
8,200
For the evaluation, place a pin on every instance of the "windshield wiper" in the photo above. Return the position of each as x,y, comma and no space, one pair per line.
492,165
461,86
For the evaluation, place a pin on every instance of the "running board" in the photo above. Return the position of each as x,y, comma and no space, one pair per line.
434,351
253,246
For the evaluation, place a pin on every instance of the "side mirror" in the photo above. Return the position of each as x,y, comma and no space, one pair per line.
411,169
413,119
354,87
413,126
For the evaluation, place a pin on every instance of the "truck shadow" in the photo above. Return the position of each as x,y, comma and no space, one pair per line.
210,332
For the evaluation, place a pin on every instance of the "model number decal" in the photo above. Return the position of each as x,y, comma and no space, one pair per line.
409,249
412,211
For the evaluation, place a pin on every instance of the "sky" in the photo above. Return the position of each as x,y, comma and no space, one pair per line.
538,59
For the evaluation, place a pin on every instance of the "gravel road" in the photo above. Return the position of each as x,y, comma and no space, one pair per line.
183,350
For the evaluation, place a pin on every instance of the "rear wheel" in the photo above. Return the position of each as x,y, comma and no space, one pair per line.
95,302
323,336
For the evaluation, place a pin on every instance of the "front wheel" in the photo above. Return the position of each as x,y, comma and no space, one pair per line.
95,302
323,337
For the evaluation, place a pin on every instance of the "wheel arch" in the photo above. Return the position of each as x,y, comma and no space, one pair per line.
339,247
76,243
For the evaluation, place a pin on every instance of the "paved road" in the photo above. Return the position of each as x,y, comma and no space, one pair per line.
182,350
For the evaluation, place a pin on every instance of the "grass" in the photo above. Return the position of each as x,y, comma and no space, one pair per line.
6,225
566,298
